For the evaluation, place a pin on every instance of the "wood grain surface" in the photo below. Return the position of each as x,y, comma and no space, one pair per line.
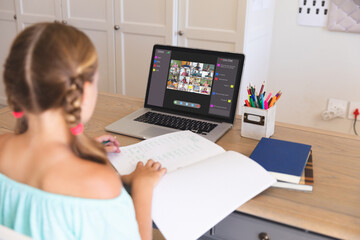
333,208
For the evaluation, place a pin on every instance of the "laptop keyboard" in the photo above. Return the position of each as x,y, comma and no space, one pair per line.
176,122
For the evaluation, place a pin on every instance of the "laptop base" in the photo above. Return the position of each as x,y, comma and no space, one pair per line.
127,126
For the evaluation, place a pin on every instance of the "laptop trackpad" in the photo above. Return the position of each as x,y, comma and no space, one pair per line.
153,132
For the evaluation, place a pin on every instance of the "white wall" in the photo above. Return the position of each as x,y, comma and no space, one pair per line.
310,65
257,45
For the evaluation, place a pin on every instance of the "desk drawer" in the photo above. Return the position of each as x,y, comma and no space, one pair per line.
238,226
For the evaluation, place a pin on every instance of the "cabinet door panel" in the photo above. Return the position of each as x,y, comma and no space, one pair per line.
142,24
29,12
95,18
136,55
93,10
217,24
144,12
205,14
211,45
38,7
7,9
99,39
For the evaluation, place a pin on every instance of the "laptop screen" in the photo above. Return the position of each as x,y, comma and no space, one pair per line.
194,82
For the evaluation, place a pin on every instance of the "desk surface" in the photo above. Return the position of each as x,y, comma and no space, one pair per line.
331,209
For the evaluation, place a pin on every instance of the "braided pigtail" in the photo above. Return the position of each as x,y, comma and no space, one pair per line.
81,145
72,105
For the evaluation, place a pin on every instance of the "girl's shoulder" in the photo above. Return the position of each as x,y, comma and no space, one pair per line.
57,169
82,178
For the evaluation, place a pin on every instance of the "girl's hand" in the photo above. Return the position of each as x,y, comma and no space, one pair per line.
147,175
111,144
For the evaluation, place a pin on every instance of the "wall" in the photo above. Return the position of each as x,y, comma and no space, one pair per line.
257,45
310,65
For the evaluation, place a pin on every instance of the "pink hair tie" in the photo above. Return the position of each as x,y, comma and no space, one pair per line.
78,129
18,114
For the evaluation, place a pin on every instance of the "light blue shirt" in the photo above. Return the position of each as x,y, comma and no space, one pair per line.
44,215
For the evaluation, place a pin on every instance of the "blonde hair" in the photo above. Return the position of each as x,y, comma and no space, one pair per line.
47,67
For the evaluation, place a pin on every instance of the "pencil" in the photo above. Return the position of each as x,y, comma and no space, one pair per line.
278,95
273,100
267,99
252,103
262,88
258,99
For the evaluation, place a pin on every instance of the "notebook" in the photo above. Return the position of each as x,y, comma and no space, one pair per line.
203,184
306,181
283,159
188,89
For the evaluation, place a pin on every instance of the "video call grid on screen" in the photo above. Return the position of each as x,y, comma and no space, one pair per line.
194,77
180,79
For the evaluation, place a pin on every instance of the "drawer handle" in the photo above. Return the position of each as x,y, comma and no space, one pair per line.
264,236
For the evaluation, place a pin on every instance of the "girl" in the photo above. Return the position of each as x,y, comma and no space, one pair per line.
55,182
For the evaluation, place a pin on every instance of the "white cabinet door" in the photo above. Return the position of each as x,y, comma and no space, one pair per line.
142,24
95,18
9,29
29,12
7,10
212,24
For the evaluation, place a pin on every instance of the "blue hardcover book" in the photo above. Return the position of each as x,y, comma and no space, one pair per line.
283,159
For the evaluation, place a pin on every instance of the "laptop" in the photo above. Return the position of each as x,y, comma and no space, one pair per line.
188,89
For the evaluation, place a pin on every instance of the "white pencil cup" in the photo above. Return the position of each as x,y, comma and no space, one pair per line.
257,123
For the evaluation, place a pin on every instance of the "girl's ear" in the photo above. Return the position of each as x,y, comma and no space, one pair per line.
85,91
88,100
90,90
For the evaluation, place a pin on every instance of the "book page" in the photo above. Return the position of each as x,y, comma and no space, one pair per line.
173,151
191,200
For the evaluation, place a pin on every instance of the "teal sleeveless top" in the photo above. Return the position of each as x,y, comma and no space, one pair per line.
43,215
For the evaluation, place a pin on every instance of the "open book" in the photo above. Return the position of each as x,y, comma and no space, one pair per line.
203,185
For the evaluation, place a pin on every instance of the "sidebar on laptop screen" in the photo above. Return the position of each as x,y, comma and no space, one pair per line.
193,82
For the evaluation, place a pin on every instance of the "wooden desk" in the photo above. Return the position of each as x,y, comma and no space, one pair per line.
333,208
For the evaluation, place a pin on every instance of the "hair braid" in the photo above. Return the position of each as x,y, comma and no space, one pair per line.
72,101
72,108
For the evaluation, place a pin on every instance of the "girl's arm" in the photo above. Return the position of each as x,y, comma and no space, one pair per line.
143,181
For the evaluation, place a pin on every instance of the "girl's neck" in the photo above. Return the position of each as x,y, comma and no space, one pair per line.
48,127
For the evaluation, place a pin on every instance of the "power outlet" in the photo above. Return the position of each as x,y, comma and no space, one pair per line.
352,107
338,107
313,12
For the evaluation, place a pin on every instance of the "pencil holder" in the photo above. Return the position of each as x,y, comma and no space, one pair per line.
257,123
